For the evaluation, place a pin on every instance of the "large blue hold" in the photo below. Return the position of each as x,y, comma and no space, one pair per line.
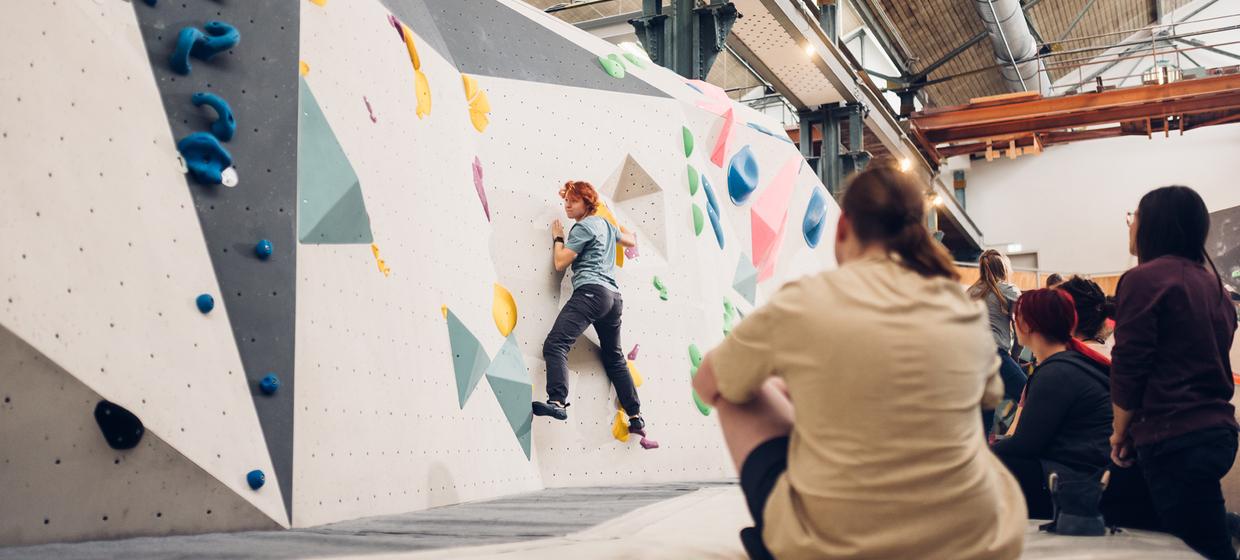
742,175
225,126
205,157
815,218
219,37
256,479
712,210
205,303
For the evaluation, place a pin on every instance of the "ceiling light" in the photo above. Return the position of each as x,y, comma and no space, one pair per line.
810,50
906,164
937,200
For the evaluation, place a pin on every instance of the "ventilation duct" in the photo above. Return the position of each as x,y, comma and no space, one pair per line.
1015,48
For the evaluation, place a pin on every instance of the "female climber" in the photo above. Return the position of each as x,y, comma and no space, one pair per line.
591,250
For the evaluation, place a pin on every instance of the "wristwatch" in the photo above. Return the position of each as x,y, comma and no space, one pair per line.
557,239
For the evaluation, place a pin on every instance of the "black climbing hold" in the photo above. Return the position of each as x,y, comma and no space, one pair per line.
121,429
205,303
263,249
256,478
270,384
151,2
225,126
219,37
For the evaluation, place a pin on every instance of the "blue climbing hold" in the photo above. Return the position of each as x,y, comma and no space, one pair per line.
263,249
225,126
270,384
205,158
219,37
256,478
815,218
742,175
712,210
205,303
151,2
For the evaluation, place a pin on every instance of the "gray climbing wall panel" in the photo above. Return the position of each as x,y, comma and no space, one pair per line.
417,16
487,38
258,78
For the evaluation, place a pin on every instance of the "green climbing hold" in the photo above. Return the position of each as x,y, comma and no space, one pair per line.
688,137
635,60
693,180
658,285
729,317
701,406
613,65
1235,273
699,220
695,360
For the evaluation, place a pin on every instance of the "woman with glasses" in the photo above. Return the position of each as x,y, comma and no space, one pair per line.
1171,380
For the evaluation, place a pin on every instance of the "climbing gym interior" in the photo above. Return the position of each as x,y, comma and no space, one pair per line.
275,276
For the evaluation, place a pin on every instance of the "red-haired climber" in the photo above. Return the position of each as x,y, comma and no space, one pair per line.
591,250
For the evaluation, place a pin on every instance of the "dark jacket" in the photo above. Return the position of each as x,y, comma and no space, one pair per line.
1170,365
1067,415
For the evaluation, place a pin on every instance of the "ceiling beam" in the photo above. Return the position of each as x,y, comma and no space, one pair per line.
967,122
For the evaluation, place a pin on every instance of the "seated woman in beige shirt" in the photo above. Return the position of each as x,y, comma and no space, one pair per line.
850,401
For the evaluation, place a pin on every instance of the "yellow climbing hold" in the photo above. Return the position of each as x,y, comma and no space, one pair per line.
479,105
319,2
382,265
605,213
421,87
444,310
303,68
637,375
504,310
620,428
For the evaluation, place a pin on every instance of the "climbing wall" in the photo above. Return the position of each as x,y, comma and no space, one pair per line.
101,261
402,158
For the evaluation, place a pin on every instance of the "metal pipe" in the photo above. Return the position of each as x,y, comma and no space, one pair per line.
1013,44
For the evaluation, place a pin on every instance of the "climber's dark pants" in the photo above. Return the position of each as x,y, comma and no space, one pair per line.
596,305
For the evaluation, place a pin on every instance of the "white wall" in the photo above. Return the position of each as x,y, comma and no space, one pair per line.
1069,202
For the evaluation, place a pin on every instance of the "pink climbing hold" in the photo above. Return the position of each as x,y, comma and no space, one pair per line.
482,193
645,442
769,216
633,352
370,110
631,252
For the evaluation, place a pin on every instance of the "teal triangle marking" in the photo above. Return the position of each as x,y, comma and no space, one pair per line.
745,282
469,358
510,381
331,208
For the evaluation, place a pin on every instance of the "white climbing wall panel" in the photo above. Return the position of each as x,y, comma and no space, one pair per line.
378,425
101,255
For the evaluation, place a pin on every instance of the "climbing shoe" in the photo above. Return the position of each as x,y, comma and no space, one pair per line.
637,425
552,409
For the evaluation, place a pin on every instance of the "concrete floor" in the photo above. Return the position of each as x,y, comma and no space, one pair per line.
660,521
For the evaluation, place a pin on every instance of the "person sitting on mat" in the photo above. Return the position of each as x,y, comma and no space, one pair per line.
849,402
591,250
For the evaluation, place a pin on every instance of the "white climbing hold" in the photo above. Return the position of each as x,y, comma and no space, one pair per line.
229,177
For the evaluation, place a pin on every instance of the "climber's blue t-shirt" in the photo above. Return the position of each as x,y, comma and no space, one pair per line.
594,241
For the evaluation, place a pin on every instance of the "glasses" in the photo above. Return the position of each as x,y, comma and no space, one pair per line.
1130,218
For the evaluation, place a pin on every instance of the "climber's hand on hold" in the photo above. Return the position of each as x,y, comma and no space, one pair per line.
627,238
557,229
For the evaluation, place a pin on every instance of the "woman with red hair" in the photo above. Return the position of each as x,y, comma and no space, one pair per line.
1065,422
591,250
